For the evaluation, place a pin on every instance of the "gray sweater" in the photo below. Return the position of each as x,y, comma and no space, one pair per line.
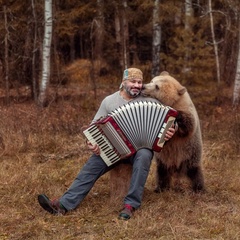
112,102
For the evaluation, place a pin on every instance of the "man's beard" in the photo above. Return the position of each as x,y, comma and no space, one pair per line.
130,93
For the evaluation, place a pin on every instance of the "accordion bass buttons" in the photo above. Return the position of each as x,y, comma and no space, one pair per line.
160,142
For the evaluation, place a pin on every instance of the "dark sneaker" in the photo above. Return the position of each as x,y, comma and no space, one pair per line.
53,207
126,213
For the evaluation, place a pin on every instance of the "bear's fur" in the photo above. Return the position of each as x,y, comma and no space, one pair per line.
182,154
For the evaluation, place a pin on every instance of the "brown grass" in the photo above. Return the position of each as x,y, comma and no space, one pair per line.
43,150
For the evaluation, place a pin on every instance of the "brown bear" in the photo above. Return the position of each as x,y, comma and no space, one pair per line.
182,154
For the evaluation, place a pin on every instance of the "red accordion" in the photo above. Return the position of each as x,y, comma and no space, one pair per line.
135,125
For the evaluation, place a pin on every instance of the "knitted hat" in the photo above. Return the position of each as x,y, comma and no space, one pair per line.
132,73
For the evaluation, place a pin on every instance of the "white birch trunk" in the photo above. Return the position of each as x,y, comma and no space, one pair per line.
125,38
47,40
34,80
156,40
236,90
99,36
188,13
118,34
117,25
122,34
214,42
188,29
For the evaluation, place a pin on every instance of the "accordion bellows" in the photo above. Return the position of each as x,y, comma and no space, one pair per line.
135,125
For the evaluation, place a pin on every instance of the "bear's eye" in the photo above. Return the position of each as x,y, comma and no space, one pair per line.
156,87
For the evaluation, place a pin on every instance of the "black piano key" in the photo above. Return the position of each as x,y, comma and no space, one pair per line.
96,134
101,141
114,159
103,148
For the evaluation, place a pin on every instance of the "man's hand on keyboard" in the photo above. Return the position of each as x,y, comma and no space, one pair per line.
94,148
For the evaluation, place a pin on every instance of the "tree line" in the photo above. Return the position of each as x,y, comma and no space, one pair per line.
198,41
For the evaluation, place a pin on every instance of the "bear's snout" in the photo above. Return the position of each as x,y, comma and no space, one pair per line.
147,89
143,92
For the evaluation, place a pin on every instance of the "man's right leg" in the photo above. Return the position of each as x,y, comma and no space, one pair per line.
83,183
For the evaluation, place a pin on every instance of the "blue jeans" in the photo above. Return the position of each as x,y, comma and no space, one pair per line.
96,167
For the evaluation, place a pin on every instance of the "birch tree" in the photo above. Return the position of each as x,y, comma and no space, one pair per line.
215,44
99,31
118,31
125,39
236,90
122,33
47,40
156,44
188,31
34,79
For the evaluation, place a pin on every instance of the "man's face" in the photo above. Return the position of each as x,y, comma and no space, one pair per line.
132,87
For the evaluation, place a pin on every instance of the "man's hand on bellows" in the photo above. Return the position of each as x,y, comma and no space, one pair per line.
170,132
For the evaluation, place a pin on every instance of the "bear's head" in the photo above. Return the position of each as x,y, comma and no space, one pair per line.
164,88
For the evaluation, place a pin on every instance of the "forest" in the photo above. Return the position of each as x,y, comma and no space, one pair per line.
196,41
60,58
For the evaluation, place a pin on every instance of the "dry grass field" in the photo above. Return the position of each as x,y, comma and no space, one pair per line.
42,150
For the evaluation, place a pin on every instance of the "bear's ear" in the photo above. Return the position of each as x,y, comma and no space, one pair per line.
182,90
164,73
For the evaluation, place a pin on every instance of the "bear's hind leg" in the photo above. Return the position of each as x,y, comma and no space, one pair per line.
163,178
196,176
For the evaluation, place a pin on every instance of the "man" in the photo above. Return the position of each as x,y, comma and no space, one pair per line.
95,167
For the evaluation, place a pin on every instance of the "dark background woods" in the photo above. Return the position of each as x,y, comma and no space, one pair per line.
94,40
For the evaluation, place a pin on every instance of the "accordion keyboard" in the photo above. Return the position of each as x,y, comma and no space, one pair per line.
107,152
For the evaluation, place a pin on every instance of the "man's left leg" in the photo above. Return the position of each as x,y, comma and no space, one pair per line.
141,162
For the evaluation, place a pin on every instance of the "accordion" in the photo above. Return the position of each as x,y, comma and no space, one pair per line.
135,125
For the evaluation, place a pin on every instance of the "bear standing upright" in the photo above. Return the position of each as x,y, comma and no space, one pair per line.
183,153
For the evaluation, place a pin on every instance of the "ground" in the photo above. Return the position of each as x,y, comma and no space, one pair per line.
42,150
